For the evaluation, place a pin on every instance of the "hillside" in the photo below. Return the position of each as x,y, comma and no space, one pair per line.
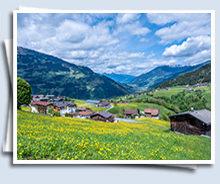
161,74
50,75
57,138
203,74
125,79
156,76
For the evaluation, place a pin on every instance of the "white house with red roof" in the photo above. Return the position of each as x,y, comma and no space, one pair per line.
40,107
152,113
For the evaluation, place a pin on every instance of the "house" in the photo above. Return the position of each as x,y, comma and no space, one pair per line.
104,104
40,107
85,114
57,99
95,102
103,116
44,99
79,109
152,113
37,97
131,112
192,122
64,107
51,97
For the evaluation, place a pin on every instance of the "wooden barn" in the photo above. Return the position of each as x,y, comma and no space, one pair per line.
103,116
131,112
192,122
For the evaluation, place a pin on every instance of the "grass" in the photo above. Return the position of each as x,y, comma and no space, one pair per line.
57,138
26,109
140,106
82,103
169,92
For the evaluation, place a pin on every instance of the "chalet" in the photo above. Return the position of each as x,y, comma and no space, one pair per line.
37,97
44,99
94,102
103,104
51,97
192,122
64,107
79,109
152,113
85,114
57,99
40,107
103,116
130,112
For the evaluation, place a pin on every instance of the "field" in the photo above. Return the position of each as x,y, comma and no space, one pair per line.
140,106
81,103
168,93
58,138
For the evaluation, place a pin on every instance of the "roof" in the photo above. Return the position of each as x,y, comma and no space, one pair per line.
86,113
153,112
131,111
37,96
40,103
103,114
104,103
63,103
203,115
81,108
92,101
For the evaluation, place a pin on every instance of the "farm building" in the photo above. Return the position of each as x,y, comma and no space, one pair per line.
130,112
64,107
40,107
192,122
103,116
152,113
95,102
85,114
103,104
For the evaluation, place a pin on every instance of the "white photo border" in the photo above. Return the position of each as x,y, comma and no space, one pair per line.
15,161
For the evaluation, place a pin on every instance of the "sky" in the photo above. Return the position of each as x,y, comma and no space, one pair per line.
123,43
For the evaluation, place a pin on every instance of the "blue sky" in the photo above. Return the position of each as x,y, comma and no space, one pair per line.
124,43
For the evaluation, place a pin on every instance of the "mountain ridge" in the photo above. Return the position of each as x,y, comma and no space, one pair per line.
51,75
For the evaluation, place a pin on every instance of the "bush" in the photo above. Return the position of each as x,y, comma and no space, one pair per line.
120,116
23,92
55,113
133,116
68,115
165,117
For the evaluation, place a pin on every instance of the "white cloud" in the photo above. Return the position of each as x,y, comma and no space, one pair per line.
190,47
123,18
134,28
137,55
183,25
150,55
200,57
144,40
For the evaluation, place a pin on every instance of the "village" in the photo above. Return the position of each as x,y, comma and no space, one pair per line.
193,122
58,106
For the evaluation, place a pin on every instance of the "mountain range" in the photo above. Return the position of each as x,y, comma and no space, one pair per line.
161,74
200,75
47,74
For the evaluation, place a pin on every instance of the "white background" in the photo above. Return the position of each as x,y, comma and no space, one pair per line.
99,173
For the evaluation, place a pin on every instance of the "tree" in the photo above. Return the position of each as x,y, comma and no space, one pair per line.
23,92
